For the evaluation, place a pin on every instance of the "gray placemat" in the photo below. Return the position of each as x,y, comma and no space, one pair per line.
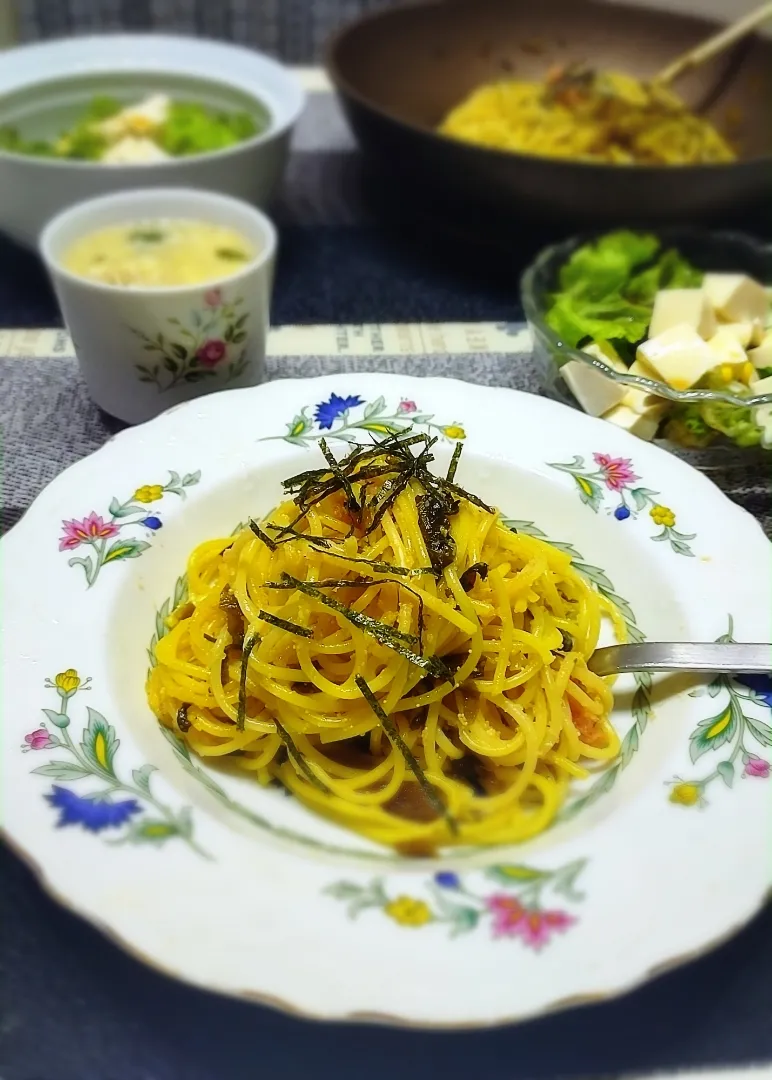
48,421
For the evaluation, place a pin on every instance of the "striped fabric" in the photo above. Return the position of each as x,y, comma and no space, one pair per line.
293,30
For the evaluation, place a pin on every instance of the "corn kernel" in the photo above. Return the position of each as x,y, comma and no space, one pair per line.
748,372
726,372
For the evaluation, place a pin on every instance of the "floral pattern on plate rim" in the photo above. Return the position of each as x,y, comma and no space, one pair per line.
138,817
94,530
618,476
206,348
336,419
729,728
514,910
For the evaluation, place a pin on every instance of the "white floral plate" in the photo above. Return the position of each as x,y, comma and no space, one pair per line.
244,891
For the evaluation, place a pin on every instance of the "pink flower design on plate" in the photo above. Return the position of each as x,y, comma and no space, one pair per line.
38,740
617,472
407,407
756,766
86,531
213,298
535,927
211,352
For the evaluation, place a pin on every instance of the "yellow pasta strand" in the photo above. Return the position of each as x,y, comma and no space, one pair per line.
499,744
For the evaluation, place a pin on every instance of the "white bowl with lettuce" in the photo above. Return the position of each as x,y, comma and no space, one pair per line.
92,115
668,336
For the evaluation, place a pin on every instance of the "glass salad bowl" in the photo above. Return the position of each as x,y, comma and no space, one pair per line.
739,423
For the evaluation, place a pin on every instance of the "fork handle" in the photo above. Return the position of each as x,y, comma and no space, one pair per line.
728,657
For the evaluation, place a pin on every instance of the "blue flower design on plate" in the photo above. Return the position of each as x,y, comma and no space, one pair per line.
760,684
329,411
446,879
92,814
153,523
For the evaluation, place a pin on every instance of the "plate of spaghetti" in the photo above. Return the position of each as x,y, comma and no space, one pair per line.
316,654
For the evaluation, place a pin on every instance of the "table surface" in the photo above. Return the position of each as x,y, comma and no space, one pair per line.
72,1005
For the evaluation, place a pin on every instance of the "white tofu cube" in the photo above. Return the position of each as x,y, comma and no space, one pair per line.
747,333
594,391
762,386
133,151
140,119
690,307
641,401
679,356
727,348
761,356
736,297
645,427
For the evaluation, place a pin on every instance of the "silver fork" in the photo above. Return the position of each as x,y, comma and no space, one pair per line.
731,657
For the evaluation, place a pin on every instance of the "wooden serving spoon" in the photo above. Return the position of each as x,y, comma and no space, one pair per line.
714,45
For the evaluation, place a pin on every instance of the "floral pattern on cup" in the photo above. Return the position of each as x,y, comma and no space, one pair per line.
125,806
736,733
340,418
209,344
618,476
515,910
94,531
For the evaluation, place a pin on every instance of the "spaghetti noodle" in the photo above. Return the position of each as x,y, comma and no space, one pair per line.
592,116
393,655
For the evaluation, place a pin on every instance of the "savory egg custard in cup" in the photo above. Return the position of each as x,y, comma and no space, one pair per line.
166,293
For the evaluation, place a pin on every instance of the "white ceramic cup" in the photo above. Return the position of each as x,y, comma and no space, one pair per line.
142,350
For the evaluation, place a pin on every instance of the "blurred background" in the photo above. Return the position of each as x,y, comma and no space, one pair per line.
293,30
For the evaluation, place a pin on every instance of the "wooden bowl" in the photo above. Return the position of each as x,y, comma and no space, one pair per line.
398,72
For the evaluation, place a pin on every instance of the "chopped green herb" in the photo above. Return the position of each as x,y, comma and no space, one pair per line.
230,254
146,236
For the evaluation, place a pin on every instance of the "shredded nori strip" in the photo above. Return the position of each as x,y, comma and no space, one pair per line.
269,543
210,638
470,575
235,616
284,624
362,583
182,718
252,639
386,635
298,758
352,503
451,474
434,521
392,732
468,769
567,644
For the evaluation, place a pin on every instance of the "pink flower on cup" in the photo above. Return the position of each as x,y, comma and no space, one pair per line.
407,407
211,352
39,740
617,472
213,298
88,530
756,766
535,927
